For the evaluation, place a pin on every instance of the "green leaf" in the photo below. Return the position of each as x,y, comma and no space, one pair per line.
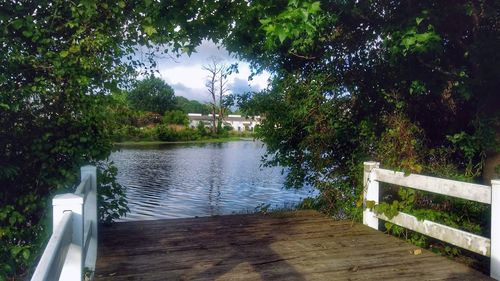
149,30
74,49
27,33
4,106
418,20
15,250
282,35
12,219
370,204
315,7
264,21
26,254
17,24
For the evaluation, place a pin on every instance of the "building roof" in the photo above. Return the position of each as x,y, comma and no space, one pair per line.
230,118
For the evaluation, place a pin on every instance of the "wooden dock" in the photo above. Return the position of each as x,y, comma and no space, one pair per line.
284,246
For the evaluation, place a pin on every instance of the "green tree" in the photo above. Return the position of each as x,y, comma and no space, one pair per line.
59,64
152,94
191,106
349,74
176,117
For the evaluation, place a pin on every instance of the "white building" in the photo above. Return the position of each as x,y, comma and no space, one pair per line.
237,122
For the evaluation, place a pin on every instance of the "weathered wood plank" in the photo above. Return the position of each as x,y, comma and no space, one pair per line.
292,246
463,239
470,191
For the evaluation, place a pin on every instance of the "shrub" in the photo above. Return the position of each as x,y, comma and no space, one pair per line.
188,135
112,202
165,133
147,119
202,131
176,117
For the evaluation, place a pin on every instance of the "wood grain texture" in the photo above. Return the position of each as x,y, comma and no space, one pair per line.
284,246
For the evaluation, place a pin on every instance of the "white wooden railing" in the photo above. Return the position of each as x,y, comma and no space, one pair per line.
469,191
73,244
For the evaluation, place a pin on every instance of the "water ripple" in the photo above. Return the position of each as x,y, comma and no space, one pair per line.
175,181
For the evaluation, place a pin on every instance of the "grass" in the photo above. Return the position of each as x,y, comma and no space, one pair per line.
153,143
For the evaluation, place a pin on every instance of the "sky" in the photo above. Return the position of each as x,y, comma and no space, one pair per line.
186,76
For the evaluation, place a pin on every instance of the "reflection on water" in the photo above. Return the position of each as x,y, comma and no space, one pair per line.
173,181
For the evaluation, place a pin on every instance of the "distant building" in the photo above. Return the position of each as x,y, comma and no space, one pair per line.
237,122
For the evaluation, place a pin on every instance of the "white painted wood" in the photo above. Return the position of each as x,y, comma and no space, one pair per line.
74,203
469,191
82,187
464,190
495,229
466,240
74,215
72,268
370,193
87,238
91,219
50,264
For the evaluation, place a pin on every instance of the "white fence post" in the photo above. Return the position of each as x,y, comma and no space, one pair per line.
91,215
371,193
72,269
495,230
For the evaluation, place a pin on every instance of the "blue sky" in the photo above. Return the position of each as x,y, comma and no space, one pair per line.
186,76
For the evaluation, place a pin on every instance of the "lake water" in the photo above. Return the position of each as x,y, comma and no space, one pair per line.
188,180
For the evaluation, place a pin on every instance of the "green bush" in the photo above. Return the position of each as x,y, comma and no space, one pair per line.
112,202
202,131
131,133
165,133
188,135
176,117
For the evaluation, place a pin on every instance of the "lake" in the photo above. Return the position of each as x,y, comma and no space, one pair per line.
188,180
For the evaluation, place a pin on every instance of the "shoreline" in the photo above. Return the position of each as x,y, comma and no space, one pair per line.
152,143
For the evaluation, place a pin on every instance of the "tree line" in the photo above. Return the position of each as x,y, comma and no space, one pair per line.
150,111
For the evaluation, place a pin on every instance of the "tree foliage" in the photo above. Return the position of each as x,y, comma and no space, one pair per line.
191,106
152,94
411,84
59,62
176,117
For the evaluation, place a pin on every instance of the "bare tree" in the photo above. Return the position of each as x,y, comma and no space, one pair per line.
223,89
217,86
211,82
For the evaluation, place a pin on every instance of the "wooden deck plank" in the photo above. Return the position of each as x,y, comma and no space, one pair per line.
287,246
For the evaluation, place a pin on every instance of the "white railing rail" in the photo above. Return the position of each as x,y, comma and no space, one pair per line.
469,191
73,244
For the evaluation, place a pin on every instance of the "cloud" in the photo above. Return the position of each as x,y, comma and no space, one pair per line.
199,94
239,86
186,75
202,56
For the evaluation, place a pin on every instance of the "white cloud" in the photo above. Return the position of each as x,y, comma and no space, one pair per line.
187,78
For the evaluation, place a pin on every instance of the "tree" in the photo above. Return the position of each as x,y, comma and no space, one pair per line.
59,63
211,82
217,87
152,94
176,117
410,84
191,106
